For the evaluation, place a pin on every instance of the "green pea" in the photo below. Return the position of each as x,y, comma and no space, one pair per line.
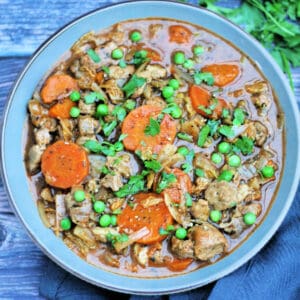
188,64
135,36
113,220
198,50
117,53
119,146
99,206
216,158
183,150
170,100
215,216
75,96
181,233
226,175
79,195
102,110
167,92
105,220
224,147
249,218
267,171
179,58
174,83
65,223
234,161
74,112
176,113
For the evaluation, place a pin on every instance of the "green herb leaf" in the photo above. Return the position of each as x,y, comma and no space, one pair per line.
226,131
153,128
184,136
106,70
166,180
199,173
93,146
239,117
213,126
109,127
245,145
206,77
188,200
93,56
153,165
204,132
135,184
93,97
119,112
133,83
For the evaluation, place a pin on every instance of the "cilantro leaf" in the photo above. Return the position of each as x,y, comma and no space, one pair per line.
204,132
153,128
93,97
206,77
133,83
239,117
226,131
213,126
153,165
119,112
166,180
135,184
109,127
245,145
96,147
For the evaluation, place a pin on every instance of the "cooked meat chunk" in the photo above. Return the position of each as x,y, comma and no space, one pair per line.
113,182
86,109
86,235
154,29
140,254
182,248
200,185
42,136
153,72
88,125
235,227
253,207
119,164
116,72
257,87
101,233
34,158
221,195
205,164
113,90
66,129
208,241
97,162
193,126
79,211
257,132
46,194
200,210
168,156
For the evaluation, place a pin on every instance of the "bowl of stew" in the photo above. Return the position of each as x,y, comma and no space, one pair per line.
151,147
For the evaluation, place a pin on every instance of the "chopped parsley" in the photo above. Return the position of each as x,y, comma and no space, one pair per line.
153,165
93,97
206,77
188,200
245,145
93,56
239,117
119,112
134,83
135,184
184,136
213,126
165,181
203,134
226,131
109,127
153,128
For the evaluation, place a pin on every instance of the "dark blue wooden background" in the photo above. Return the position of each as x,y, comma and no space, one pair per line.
24,25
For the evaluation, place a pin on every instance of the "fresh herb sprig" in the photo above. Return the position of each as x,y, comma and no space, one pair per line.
273,23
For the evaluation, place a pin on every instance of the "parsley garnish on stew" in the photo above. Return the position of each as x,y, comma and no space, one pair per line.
206,77
135,82
153,128
166,180
135,184
245,145
269,22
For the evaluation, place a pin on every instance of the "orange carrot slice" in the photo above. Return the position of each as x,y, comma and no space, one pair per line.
57,85
183,182
177,265
179,34
223,73
61,109
64,164
153,217
135,124
201,101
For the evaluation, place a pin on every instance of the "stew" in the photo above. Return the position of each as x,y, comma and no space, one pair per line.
154,147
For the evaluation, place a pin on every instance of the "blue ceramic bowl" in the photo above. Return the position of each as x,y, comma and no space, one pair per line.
13,151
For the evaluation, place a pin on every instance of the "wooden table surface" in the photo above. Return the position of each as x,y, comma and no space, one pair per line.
24,25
